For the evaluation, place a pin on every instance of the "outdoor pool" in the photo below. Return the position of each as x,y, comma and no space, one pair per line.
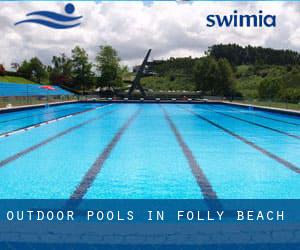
145,151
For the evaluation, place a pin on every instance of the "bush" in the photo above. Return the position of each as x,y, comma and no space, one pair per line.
2,70
270,88
172,78
277,88
290,95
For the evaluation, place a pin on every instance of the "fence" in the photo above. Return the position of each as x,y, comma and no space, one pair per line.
287,104
14,94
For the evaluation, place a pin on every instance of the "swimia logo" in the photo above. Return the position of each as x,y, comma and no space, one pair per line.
239,20
54,20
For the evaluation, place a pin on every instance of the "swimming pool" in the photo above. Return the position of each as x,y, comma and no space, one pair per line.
172,151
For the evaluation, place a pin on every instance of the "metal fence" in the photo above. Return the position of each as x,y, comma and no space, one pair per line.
14,101
283,104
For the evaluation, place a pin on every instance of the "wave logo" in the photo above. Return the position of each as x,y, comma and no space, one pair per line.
54,20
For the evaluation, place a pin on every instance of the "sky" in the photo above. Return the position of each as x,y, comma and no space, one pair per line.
171,29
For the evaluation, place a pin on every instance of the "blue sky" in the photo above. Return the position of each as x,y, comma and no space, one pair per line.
169,28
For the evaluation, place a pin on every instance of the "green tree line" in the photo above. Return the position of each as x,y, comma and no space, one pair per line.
238,55
226,70
77,71
232,70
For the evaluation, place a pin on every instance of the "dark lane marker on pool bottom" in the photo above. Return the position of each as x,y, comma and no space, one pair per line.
94,170
202,180
283,162
50,139
256,124
262,116
273,119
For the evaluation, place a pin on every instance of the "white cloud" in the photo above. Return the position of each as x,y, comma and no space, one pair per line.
170,29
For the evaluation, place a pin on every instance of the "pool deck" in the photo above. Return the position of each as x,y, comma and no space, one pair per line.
263,108
19,108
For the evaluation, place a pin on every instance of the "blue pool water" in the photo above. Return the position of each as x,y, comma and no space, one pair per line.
17,120
149,151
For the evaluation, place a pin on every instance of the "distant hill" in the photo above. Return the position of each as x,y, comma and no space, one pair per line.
239,55
259,73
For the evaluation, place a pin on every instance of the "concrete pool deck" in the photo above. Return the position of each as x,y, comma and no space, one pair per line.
32,106
109,100
265,108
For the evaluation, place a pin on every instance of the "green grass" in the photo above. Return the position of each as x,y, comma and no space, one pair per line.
165,83
15,79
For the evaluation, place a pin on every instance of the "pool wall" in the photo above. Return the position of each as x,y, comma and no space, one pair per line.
263,108
20,108
245,106
241,105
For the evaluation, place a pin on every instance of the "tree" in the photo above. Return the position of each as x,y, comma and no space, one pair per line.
270,88
81,69
25,69
214,76
2,70
224,84
107,64
61,71
33,70
238,55
205,73
38,70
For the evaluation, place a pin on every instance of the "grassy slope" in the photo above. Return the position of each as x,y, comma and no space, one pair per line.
166,83
248,77
15,79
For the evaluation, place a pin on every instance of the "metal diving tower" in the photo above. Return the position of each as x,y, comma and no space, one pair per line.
136,82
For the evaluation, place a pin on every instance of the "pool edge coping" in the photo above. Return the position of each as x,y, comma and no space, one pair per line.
264,108
33,106
243,105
